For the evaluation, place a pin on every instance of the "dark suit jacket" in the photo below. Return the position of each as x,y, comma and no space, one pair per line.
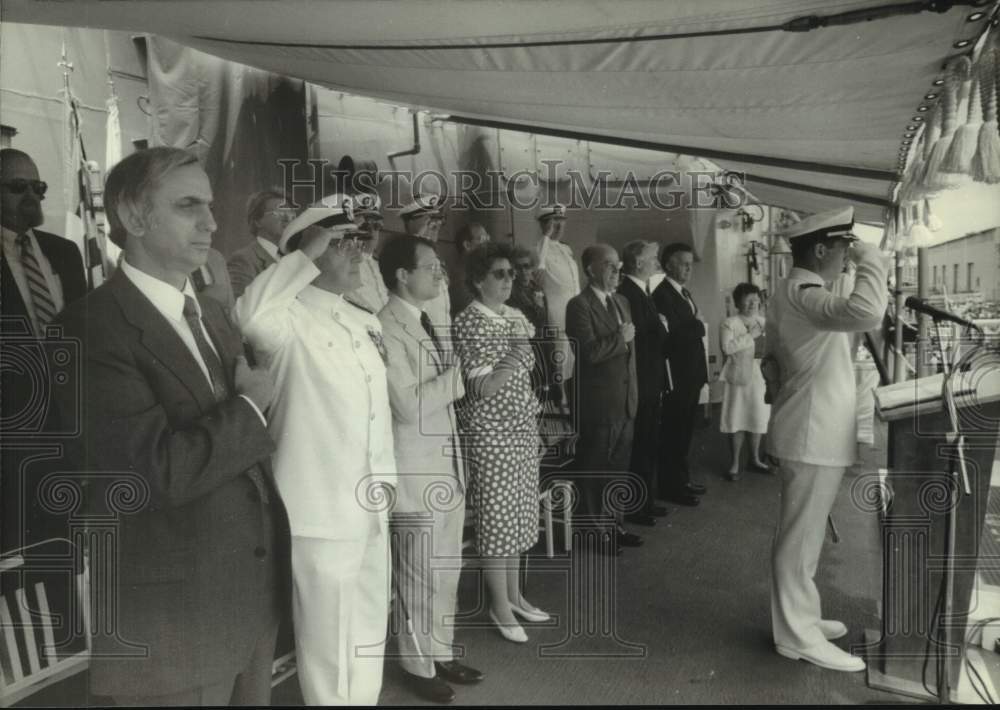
245,264
650,340
26,408
67,264
606,372
685,349
199,553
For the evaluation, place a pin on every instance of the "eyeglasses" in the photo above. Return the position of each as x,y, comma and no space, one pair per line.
501,274
435,267
284,215
612,266
355,240
19,185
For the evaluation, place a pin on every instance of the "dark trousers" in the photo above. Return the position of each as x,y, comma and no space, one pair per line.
680,407
250,687
602,459
646,451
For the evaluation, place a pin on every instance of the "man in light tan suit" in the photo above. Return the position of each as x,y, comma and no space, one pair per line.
424,384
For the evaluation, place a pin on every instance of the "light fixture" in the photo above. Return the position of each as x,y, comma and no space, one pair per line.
976,16
962,43
923,108
745,221
931,96
918,118
938,82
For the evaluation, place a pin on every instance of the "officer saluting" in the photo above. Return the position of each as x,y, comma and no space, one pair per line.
812,432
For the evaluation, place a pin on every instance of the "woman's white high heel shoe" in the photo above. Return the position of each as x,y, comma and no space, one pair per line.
530,614
515,633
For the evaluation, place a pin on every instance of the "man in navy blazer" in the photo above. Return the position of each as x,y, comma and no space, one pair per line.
688,372
599,324
639,262
172,421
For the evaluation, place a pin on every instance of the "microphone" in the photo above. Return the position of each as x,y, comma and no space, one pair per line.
915,304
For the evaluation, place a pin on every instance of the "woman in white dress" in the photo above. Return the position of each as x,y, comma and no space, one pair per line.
743,408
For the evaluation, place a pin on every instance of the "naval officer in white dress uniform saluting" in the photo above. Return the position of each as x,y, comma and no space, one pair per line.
810,372
333,427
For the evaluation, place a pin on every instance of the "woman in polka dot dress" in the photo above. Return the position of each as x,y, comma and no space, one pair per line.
499,422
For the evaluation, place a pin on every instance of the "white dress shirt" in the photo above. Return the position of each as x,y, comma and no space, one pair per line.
330,416
170,303
12,253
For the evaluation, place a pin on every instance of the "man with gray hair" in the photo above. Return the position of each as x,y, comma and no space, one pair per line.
173,414
639,261
267,216
600,322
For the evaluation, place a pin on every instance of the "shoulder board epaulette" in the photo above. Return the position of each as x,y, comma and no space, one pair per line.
361,308
805,286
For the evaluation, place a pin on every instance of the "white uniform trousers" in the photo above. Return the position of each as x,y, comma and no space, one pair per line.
807,496
427,564
340,606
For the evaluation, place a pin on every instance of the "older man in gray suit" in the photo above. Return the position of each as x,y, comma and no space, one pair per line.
430,506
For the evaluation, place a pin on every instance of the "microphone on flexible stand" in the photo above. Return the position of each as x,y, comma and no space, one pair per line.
915,304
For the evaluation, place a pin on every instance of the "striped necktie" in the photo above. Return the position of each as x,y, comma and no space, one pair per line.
41,298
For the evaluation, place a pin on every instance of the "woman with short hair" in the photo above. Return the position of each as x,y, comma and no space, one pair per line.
743,408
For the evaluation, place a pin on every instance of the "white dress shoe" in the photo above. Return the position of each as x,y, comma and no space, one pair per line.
514,633
832,630
531,613
824,655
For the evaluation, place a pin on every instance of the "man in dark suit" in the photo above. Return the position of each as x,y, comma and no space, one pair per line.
267,217
599,323
639,262
688,372
172,413
39,274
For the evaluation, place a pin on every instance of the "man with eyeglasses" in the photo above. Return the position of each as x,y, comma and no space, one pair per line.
429,512
40,273
423,217
372,295
332,423
267,217
599,321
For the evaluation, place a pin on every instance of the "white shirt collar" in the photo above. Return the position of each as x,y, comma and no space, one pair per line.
677,286
270,247
10,239
656,279
164,297
603,295
638,282
417,312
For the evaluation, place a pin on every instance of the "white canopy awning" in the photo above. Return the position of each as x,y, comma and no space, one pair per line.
815,118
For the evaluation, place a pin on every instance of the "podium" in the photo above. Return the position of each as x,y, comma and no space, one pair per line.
933,505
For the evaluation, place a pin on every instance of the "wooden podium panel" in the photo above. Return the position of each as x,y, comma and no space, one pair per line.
918,497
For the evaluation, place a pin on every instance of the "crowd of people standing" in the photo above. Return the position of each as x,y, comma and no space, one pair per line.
313,438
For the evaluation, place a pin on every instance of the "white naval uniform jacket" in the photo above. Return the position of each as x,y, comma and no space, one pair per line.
330,416
814,415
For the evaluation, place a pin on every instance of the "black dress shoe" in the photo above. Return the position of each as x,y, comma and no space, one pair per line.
641,519
455,672
683,499
628,539
695,489
433,689
658,511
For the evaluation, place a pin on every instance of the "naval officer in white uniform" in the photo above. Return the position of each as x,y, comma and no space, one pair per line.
812,432
333,427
